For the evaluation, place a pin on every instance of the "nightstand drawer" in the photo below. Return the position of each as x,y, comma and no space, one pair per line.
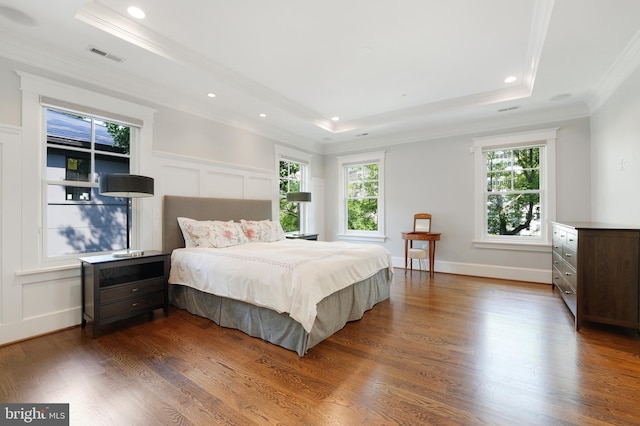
128,306
138,288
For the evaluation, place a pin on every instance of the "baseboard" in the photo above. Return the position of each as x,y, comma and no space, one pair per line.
35,326
542,276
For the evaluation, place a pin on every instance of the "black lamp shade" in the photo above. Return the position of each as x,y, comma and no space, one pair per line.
125,185
299,197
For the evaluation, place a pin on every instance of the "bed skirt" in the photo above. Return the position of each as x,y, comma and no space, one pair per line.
334,311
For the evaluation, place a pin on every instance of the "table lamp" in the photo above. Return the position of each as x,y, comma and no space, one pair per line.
299,197
126,186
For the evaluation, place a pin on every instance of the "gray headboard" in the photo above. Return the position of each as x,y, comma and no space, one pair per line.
199,208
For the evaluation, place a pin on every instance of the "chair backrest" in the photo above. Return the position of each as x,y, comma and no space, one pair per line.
422,222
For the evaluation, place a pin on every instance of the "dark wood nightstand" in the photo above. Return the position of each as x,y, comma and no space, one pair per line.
116,288
313,237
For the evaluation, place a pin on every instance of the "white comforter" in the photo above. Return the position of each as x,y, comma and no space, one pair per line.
290,276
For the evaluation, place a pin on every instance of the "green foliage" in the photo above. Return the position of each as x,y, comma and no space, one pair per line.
363,214
362,197
120,134
513,183
290,181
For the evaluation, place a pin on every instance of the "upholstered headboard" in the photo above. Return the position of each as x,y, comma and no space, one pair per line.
199,208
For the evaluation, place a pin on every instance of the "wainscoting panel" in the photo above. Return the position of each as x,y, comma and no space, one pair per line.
177,180
222,184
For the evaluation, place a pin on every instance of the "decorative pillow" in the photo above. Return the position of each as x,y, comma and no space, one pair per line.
215,233
265,231
188,241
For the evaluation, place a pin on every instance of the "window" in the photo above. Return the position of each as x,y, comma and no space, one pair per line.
362,196
515,194
292,179
79,148
294,171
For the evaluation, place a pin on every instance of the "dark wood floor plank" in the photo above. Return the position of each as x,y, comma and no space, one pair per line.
448,350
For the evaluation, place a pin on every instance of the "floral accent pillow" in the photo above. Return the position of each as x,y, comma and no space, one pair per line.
265,231
216,234
188,241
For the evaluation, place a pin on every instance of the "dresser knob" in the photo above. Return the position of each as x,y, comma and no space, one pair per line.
134,289
134,305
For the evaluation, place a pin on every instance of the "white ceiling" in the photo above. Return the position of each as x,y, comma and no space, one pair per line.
393,71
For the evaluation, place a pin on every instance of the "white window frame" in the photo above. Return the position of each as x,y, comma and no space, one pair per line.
545,138
34,179
289,154
355,159
92,181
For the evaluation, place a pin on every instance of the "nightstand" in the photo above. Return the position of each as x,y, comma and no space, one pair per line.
313,237
116,288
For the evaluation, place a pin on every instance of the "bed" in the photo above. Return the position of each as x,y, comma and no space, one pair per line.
290,326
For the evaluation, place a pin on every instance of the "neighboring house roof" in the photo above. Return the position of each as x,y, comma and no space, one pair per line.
72,127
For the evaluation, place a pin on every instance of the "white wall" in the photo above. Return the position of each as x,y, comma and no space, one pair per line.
615,160
437,177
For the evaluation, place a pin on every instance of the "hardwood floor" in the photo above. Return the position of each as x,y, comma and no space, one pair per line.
452,350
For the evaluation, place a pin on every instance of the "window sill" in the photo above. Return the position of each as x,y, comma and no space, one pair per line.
362,238
512,245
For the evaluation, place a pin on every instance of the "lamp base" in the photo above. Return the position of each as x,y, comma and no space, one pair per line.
128,253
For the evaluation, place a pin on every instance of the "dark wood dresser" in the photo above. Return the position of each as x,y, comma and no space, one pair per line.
115,288
596,272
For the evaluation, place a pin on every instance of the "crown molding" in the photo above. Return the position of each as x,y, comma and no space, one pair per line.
626,63
543,116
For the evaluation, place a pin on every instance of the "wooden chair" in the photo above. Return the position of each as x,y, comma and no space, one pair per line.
421,223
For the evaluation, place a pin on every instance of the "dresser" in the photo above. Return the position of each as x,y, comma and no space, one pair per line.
595,269
116,288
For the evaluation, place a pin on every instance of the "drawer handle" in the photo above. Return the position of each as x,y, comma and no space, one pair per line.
571,239
568,255
568,274
567,292
134,289
134,305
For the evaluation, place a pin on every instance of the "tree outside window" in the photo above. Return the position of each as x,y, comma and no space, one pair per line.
362,197
291,180
513,191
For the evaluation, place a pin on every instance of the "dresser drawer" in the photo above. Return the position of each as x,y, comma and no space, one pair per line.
570,256
558,242
571,277
568,294
135,289
131,306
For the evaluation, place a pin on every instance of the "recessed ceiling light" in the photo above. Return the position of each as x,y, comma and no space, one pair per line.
263,115
336,118
510,79
136,12
211,95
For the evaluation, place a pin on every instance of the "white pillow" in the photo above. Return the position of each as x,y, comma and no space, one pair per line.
265,231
